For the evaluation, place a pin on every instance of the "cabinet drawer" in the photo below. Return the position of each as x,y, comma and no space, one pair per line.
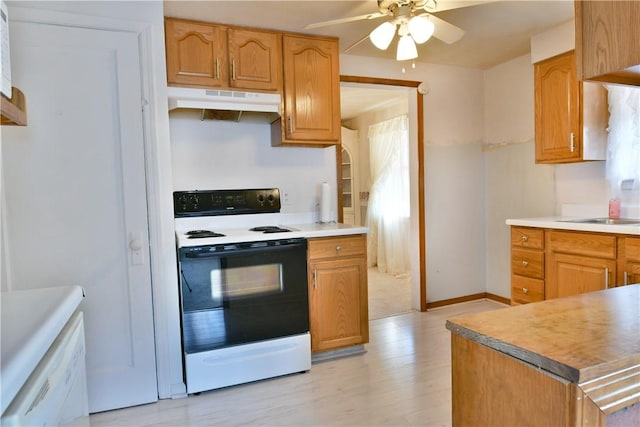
586,244
525,290
332,247
527,262
632,249
525,237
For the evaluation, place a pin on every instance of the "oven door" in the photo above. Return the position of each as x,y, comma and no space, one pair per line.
241,293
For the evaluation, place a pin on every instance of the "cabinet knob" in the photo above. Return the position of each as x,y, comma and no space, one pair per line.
525,263
338,248
525,238
525,290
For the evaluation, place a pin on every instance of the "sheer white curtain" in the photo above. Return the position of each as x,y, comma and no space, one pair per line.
623,142
389,206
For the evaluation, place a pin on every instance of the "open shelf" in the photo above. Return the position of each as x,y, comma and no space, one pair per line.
14,110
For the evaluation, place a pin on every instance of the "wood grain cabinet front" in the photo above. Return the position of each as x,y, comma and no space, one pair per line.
629,264
607,34
338,304
311,115
196,54
218,56
553,263
527,265
579,262
571,117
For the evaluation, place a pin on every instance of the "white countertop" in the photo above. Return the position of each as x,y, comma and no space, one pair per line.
561,224
30,322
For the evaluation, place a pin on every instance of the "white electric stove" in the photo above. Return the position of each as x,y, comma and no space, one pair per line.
243,287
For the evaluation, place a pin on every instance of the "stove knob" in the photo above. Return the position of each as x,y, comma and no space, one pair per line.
261,199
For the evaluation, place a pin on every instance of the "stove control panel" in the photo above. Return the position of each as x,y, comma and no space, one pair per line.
225,202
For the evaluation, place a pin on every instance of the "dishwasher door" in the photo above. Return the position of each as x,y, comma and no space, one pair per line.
55,394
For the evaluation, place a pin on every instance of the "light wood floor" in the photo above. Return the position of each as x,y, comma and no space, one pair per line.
403,379
388,295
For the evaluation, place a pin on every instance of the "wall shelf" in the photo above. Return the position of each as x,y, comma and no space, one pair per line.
14,110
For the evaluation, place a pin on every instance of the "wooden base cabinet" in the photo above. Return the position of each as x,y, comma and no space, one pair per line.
338,295
553,263
527,265
629,266
579,262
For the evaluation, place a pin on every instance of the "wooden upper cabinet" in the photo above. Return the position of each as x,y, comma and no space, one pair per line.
311,113
571,117
255,59
216,56
196,54
608,41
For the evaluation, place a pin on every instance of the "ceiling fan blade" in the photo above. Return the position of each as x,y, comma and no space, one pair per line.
345,20
445,31
356,44
443,5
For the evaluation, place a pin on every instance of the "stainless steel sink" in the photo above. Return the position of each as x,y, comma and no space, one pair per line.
607,221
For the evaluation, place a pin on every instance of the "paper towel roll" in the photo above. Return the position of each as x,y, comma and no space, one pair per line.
325,203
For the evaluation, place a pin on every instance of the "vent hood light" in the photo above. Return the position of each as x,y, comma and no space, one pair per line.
257,104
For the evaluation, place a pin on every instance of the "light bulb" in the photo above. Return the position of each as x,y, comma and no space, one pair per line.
421,29
406,49
382,35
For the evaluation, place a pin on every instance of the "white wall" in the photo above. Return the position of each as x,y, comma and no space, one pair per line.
515,186
211,155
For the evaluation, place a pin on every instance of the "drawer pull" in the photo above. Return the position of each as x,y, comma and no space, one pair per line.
606,278
525,238
338,248
525,263
626,278
525,290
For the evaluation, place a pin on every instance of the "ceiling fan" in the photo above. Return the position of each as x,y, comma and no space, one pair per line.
413,20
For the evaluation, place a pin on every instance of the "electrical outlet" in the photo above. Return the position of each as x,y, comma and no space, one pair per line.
627,184
285,197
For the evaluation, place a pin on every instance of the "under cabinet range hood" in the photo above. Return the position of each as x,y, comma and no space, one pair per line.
218,104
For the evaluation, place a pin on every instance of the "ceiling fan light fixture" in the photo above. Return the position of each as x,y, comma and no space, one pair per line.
421,29
406,49
382,35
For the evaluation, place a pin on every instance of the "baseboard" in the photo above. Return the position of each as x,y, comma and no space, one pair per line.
467,298
335,354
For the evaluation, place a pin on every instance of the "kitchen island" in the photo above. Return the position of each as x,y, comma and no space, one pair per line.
566,361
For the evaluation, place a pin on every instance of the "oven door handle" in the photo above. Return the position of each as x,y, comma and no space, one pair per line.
242,251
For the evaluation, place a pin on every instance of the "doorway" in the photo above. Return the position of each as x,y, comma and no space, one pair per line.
361,95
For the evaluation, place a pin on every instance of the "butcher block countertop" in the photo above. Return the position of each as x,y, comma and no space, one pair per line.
582,339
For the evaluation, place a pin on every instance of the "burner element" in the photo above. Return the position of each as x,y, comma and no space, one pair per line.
270,229
201,234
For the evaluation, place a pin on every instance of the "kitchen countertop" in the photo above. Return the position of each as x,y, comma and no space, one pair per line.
578,338
559,223
30,322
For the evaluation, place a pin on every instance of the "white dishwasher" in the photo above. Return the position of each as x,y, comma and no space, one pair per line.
43,379
56,392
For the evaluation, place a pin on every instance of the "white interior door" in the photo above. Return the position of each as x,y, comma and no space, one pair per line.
75,196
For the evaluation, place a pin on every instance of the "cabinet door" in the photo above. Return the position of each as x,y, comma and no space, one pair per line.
196,54
557,107
338,301
311,90
575,274
607,35
255,59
